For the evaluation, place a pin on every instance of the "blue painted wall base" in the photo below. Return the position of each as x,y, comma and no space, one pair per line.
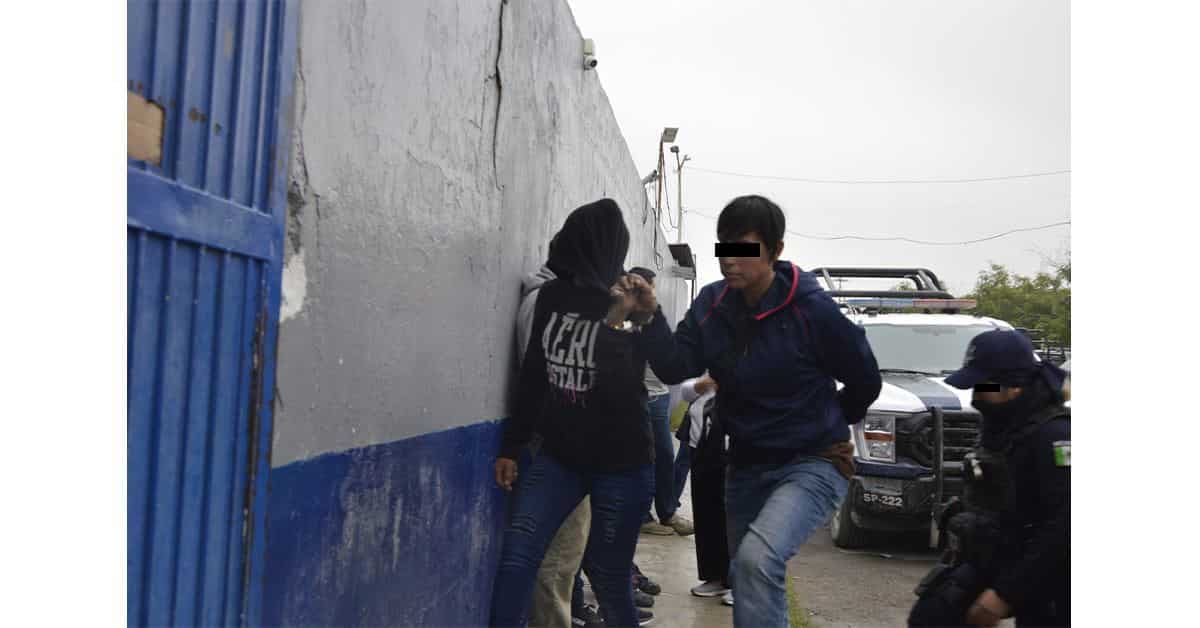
403,534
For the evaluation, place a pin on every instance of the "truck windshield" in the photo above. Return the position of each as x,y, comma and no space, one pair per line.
933,349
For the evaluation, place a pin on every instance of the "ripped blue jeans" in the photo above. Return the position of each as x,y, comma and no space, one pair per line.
771,511
547,492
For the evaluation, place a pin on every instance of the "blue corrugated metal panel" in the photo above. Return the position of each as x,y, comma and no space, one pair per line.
246,105
196,457
142,357
191,371
213,67
195,89
205,232
220,104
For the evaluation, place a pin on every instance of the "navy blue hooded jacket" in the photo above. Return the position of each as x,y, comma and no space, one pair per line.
781,393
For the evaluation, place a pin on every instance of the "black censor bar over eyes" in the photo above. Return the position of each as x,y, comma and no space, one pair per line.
737,249
988,387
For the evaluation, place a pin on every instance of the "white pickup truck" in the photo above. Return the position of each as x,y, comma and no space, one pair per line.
918,338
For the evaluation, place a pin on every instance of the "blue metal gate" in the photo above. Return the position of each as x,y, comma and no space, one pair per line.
205,240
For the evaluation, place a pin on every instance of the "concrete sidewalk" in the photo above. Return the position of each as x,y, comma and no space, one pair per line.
837,588
671,562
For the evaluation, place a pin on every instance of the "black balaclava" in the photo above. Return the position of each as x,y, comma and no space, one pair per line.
590,248
1040,387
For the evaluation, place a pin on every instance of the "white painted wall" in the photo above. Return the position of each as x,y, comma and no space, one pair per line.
438,147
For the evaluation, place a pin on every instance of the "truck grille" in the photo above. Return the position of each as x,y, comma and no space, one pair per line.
915,438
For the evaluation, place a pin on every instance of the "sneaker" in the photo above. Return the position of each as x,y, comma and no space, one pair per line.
587,618
727,599
645,618
646,585
681,525
658,529
642,600
712,588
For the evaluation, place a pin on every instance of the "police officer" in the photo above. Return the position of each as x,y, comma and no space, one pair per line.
1011,536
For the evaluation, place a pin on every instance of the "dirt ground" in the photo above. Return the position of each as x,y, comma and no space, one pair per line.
839,588
862,588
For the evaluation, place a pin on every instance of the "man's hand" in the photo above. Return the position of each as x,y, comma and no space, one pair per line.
645,300
988,609
623,301
506,473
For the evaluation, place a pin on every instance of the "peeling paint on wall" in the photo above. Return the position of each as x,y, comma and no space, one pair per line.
414,240
295,283
397,534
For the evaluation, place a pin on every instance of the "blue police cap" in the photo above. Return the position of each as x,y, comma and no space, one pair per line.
1002,356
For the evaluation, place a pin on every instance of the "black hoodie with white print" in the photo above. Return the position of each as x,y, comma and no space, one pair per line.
581,383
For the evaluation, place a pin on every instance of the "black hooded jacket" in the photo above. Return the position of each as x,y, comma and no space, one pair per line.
581,381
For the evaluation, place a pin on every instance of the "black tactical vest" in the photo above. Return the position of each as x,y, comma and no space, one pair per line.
986,481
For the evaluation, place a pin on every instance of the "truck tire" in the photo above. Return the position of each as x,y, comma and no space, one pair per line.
845,534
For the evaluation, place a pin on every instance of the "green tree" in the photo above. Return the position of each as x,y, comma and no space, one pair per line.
1041,302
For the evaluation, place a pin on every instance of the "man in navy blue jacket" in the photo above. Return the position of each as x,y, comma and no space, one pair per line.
776,344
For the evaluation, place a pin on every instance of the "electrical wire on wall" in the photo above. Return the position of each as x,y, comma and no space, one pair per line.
645,214
645,204
658,258
667,200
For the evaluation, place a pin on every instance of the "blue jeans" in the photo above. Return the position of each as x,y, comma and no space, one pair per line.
547,493
662,485
772,511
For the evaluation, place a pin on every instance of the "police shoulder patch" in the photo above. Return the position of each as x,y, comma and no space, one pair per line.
1062,453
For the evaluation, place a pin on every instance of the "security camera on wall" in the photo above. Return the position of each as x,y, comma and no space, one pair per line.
589,54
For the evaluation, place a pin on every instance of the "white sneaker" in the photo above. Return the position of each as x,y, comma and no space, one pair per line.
727,599
657,529
681,525
712,588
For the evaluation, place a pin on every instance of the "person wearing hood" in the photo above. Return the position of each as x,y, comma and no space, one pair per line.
1018,490
554,602
581,390
776,344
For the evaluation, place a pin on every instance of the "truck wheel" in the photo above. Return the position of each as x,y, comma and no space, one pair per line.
845,534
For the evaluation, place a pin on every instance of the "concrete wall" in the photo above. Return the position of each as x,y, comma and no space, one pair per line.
438,147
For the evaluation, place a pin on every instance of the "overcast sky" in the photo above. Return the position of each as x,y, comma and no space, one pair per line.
853,90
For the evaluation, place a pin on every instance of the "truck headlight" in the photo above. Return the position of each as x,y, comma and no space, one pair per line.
876,438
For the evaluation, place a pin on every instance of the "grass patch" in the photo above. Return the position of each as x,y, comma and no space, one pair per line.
797,615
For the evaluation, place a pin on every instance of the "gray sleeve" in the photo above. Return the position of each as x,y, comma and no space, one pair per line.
525,322
688,390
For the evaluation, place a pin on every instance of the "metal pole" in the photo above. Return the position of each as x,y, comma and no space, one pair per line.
658,197
679,189
939,472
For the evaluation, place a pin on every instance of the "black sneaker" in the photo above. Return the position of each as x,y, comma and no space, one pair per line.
644,584
587,617
645,618
642,600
